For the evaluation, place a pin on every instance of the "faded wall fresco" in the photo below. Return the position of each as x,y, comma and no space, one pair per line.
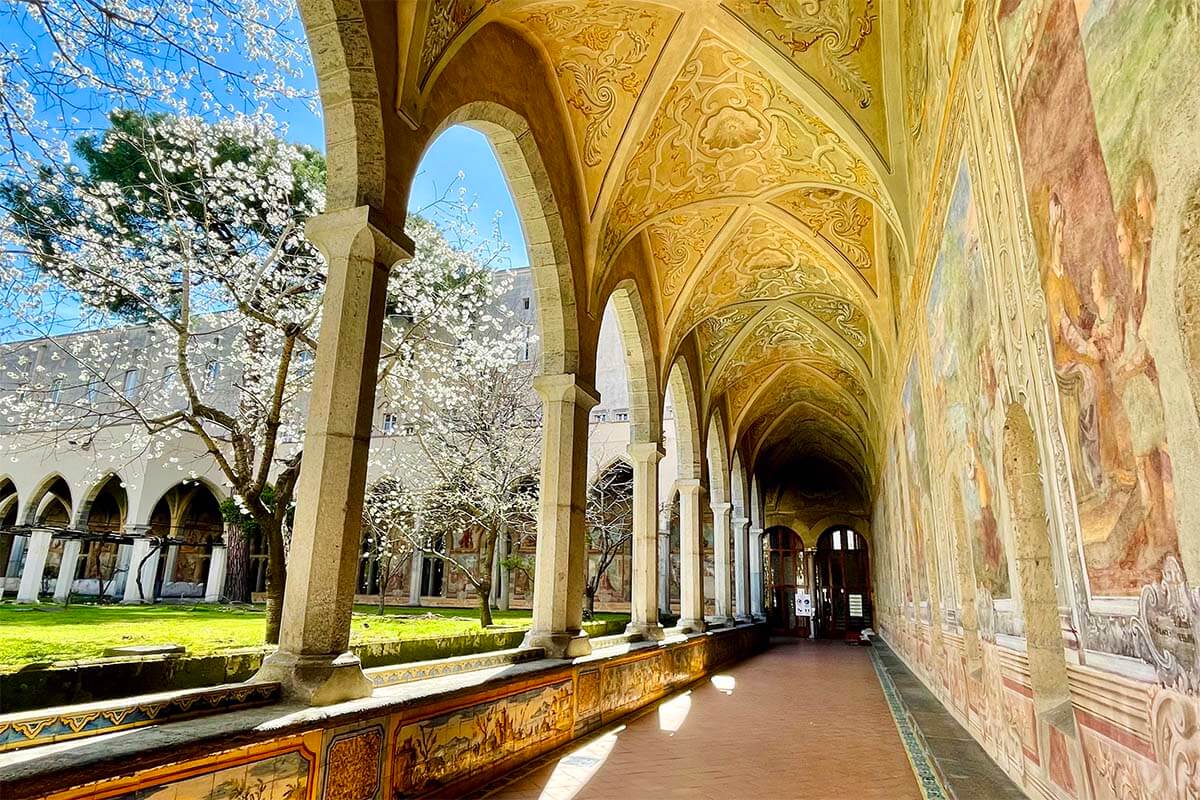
1093,87
1057,267
963,345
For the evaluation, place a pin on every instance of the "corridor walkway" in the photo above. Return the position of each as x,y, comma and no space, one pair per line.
805,719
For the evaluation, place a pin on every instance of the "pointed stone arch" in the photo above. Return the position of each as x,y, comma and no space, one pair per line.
645,399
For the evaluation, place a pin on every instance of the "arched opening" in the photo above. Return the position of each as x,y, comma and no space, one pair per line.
842,579
51,508
103,518
787,583
720,588
609,516
8,518
189,522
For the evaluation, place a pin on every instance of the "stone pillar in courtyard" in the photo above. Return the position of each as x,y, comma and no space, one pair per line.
218,562
741,569
314,662
562,540
143,560
414,576
756,574
36,551
691,557
67,569
664,561
723,613
643,607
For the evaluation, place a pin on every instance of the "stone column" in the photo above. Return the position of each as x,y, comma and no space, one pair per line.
36,551
505,596
741,569
67,569
218,560
643,603
414,577
313,662
562,538
664,567
691,557
756,574
721,565
143,558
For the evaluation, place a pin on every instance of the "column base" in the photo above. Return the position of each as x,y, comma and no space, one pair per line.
692,625
319,680
720,622
560,644
743,619
651,632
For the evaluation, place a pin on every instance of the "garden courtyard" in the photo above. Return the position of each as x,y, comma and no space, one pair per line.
49,633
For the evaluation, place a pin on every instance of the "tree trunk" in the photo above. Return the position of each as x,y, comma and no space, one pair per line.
589,606
276,577
237,565
485,608
383,583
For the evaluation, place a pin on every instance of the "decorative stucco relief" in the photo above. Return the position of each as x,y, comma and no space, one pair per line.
678,243
726,129
843,219
716,332
446,19
602,53
835,42
763,261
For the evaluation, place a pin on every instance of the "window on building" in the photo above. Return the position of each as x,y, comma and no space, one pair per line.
130,383
389,423
409,430
304,358
528,346
212,371
526,303
621,416
93,389
56,391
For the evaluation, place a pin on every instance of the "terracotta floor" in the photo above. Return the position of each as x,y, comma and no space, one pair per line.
805,720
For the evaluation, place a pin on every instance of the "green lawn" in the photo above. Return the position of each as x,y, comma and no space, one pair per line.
49,633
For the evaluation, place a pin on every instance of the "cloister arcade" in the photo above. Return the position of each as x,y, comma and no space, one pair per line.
919,280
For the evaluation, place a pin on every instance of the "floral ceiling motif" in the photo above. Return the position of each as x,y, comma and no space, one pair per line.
678,243
763,261
726,129
784,336
602,53
842,219
717,331
835,42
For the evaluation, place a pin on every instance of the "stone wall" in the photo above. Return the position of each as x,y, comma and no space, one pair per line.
442,744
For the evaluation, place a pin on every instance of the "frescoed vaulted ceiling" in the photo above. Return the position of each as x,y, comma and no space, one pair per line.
744,145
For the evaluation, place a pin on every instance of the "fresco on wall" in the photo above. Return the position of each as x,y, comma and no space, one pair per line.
1094,85
965,385
917,483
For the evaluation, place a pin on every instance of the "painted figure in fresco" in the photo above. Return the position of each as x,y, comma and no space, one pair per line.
1136,371
1093,86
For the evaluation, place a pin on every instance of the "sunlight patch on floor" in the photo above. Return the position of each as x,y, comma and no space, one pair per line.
574,770
673,712
724,683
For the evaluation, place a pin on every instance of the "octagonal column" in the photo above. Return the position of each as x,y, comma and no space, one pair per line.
721,562
756,574
313,662
741,569
643,618
36,551
562,537
691,557
664,561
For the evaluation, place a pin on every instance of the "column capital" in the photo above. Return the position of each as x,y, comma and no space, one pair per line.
721,508
566,388
757,531
647,452
338,233
741,522
689,486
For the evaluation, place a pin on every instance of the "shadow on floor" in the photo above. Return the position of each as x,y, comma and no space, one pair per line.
966,770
